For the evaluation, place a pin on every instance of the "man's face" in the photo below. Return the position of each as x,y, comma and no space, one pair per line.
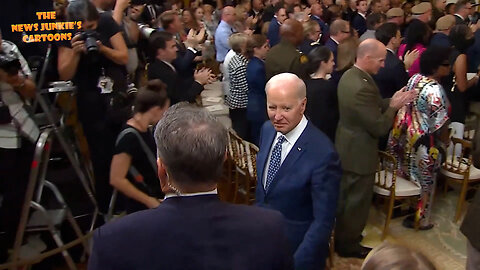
377,7
284,108
362,6
376,60
281,15
385,5
176,25
170,52
257,5
344,34
317,10
228,15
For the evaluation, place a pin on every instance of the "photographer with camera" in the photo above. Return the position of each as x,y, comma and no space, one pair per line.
18,134
95,61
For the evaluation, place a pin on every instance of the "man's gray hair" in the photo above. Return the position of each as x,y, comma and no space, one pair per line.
191,143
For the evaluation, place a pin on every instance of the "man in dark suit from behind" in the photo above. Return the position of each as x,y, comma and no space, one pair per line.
179,88
364,117
192,228
442,30
393,75
298,172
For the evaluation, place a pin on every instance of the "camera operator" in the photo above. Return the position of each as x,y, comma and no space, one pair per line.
91,60
18,134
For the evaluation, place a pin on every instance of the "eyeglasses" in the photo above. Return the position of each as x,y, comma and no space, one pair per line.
346,32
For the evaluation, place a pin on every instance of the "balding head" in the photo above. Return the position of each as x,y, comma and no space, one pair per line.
286,101
371,55
228,14
292,31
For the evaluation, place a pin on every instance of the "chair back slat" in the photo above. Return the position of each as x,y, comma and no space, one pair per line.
386,174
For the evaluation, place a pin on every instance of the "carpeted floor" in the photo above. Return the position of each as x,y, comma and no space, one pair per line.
444,244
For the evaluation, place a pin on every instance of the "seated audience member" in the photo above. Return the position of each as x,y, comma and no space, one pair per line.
417,39
257,49
374,21
273,33
312,34
393,75
420,131
192,228
238,98
442,30
359,22
236,40
322,105
179,88
291,147
396,15
134,150
394,256
284,57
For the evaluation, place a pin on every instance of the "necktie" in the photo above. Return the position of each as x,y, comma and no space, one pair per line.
275,161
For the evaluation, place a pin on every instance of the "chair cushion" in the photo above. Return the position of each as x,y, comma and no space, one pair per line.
403,187
474,172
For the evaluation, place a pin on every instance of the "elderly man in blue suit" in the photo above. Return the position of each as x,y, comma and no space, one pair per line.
298,172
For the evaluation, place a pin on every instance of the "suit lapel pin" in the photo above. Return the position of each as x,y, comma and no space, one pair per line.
299,149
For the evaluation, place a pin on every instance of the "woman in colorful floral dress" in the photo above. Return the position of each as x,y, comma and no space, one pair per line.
420,131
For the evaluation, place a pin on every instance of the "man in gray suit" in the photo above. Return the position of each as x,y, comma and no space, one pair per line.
364,117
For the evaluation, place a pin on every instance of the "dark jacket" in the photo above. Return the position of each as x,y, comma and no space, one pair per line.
360,24
273,33
257,100
441,40
193,233
309,202
179,88
392,77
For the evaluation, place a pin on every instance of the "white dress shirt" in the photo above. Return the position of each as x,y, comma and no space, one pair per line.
291,139
170,195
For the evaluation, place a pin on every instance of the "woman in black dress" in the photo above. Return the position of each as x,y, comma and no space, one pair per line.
322,101
133,170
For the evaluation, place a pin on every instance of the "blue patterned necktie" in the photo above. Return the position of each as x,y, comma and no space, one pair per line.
275,161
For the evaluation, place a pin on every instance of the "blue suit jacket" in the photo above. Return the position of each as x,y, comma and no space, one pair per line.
440,40
257,100
273,33
193,233
332,45
305,190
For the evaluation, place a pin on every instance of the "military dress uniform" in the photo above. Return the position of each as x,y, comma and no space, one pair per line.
284,57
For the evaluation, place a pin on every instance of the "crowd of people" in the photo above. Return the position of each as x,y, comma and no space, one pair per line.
319,86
